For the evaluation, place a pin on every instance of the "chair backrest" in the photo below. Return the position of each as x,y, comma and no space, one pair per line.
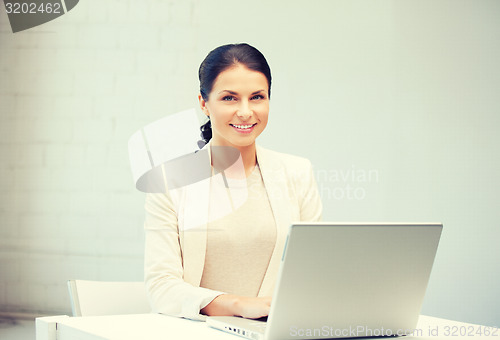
92,298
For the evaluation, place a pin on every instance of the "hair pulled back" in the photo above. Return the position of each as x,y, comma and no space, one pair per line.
222,58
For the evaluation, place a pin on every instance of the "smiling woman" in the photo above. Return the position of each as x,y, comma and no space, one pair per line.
233,68
238,108
228,265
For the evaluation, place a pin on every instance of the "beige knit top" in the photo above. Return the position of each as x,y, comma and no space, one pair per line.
240,244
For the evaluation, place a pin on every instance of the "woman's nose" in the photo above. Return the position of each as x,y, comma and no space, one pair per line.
244,111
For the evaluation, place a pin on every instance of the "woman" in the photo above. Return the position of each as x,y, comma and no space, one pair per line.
199,261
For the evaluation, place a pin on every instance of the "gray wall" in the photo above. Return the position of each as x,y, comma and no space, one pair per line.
394,102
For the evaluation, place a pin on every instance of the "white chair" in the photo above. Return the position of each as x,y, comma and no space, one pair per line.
92,298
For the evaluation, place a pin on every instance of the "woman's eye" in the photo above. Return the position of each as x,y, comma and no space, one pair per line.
228,98
259,96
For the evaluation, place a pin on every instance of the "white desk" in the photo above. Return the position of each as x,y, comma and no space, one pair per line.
161,327
125,327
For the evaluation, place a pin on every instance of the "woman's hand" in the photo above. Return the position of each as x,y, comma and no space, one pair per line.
253,307
233,305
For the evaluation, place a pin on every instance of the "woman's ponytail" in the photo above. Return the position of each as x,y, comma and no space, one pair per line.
206,134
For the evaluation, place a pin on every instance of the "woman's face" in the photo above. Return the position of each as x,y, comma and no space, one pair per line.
238,106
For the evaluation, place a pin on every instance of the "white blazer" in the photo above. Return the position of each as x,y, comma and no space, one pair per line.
176,239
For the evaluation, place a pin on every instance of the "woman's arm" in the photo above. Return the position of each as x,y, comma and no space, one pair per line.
234,305
163,270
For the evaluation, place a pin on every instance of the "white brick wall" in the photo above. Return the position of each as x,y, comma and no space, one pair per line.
387,85
71,94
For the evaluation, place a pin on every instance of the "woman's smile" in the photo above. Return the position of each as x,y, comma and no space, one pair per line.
243,128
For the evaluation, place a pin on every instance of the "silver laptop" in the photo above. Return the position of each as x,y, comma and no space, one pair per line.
343,280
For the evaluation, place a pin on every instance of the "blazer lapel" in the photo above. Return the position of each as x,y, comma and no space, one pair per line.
194,217
275,181
194,230
193,222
